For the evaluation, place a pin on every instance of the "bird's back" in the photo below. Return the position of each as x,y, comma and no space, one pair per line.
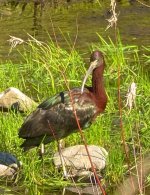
55,118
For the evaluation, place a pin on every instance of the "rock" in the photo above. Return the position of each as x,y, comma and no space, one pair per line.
77,160
13,98
8,164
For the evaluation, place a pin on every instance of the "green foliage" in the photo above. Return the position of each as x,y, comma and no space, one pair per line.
48,69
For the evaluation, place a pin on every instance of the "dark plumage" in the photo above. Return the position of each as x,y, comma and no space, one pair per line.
55,119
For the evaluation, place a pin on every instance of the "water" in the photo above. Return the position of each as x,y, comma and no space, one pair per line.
83,20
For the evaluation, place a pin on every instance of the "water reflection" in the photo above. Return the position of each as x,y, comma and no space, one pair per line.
76,190
89,190
72,190
35,18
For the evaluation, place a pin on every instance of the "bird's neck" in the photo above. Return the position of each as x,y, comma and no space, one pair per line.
98,89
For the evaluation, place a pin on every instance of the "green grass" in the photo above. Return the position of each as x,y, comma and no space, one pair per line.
40,75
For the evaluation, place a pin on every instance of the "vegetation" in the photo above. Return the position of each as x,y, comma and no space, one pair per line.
44,70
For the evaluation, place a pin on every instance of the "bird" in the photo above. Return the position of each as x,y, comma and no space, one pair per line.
54,119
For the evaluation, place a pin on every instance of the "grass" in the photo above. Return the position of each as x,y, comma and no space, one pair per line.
40,75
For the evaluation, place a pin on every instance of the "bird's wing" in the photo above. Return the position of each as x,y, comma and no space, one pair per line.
57,114
52,101
63,97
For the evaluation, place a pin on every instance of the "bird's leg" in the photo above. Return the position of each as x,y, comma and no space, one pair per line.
62,158
41,155
42,149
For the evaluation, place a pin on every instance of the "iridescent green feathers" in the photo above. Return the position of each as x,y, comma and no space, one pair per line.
52,101
54,119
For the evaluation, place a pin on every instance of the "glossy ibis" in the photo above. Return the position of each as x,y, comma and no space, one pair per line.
54,119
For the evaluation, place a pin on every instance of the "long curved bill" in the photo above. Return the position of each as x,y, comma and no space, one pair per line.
93,65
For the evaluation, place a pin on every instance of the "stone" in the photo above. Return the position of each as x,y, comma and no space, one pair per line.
9,164
76,158
13,98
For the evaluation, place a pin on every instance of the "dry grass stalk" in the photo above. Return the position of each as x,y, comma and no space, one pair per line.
14,41
113,19
131,96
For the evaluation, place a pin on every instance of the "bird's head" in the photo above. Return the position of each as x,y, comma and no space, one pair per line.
98,57
96,61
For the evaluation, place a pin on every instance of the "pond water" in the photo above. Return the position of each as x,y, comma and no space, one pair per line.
80,21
